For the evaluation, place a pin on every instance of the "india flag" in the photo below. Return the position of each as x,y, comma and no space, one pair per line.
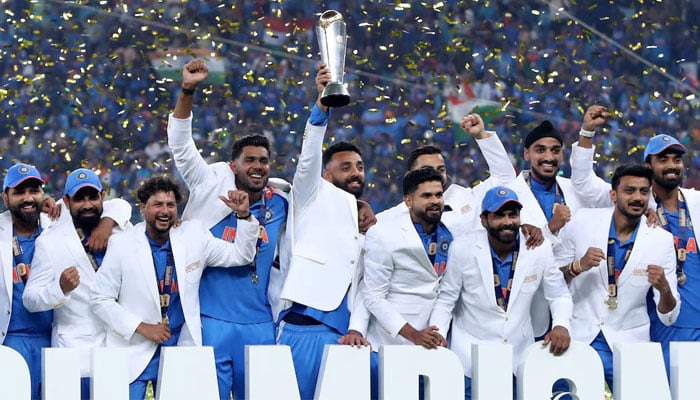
463,101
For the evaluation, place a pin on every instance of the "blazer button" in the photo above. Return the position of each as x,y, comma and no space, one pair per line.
352,261
505,340
3,333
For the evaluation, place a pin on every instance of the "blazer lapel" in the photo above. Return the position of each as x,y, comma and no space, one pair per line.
640,246
413,242
7,257
520,266
485,265
76,249
177,244
146,266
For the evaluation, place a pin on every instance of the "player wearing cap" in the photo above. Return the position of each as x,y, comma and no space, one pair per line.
64,266
22,330
614,258
155,260
677,209
489,284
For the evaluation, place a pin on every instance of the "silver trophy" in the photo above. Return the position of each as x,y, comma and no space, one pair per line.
332,40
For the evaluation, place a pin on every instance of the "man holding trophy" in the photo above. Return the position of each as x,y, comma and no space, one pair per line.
326,224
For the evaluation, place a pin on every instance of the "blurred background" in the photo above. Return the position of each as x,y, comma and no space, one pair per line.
90,83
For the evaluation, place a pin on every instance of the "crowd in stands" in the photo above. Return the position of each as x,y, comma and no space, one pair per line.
78,87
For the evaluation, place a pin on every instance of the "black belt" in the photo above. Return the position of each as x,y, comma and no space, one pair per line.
299,319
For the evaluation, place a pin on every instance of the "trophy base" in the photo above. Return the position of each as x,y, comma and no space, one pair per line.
335,95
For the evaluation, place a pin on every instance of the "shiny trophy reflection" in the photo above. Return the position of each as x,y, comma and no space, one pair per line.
332,40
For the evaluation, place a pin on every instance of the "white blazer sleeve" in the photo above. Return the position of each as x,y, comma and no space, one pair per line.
105,292
565,249
188,161
220,253
450,289
306,181
557,293
118,210
500,166
594,191
669,265
379,268
43,290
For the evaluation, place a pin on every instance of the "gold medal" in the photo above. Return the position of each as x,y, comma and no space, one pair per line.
22,269
166,320
681,255
611,302
682,277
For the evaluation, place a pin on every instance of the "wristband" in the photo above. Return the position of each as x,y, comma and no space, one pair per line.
240,217
186,92
585,133
572,268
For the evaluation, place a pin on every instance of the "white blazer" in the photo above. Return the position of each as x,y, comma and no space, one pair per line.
467,297
400,282
324,236
119,210
56,249
125,291
532,214
630,321
204,181
465,202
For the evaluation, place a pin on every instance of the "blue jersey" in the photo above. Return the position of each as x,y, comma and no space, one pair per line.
164,262
230,294
620,249
546,197
21,320
338,319
689,316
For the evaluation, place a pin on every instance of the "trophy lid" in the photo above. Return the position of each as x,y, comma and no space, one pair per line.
328,17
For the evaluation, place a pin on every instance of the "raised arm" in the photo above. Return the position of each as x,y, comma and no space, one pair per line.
500,165
188,160
307,177
593,190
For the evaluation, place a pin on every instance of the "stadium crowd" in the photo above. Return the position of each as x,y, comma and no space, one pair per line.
79,89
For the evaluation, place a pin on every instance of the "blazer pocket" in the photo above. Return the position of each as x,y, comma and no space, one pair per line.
408,308
530,282
193,271
310,254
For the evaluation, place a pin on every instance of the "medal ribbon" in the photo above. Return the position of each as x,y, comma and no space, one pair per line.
437,257
165,289
614,275
685,230
262,219
88,252
18,258
558,195
503,294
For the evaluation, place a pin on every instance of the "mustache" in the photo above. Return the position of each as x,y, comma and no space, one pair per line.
513,228
355,179
676,171
637,203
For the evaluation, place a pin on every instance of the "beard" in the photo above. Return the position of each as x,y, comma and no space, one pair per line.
633,214
505,234
87,222
31,218
357,192
671,183
243,182
543,178
424,216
